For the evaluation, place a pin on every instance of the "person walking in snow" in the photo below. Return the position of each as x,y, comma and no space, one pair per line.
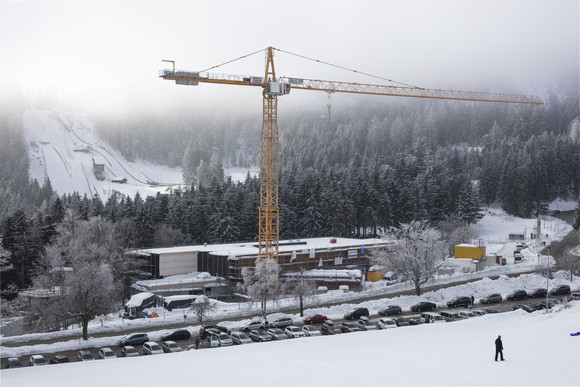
472,300
498,348
197,343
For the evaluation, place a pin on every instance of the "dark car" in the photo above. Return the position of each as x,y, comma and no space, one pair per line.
525,307
134,339
492,311
203,330
59,359
13,362
391,309
517,295
347,327
423,306
281,322
459,301
416,320
493,298
401,321
316,319
328,328
560,289
176,334
538,293
356,313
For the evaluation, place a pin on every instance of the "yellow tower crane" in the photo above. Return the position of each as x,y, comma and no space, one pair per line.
273,87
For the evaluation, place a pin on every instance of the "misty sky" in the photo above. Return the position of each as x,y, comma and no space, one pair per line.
107,54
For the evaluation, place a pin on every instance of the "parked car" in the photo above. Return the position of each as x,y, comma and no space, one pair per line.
525,307
469,313
456,302
223,339
423,306
560,289
134,339
356,313
260,335
37,360
450,315
387,323
252,325
328,328
493,298
316,319
203,333
391,309
492,310
240,338
170,346
366,325
129,351
401,321
432,318
479,312
176,334
59,359
107,353
347,327
152,348
517,295
538,293
13,362
416,320
277,334
85,355
310,330
294,332
281,322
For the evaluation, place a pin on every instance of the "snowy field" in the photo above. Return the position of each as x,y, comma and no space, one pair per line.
538,349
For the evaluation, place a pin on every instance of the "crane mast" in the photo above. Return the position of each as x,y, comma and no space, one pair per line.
269,210
269,213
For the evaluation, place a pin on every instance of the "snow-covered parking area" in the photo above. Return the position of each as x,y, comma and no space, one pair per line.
460,353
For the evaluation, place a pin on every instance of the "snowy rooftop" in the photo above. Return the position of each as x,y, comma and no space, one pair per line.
251,248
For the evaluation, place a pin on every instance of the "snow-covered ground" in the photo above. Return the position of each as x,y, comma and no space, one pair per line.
538,348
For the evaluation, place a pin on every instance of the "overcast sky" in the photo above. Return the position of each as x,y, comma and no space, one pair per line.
108,53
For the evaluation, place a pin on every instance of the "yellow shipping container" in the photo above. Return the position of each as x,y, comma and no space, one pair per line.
375,276
469,252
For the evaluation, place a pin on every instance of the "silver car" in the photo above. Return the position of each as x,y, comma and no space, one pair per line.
277,334
152,348
240,338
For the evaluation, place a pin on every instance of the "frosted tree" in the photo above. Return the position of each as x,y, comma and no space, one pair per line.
201,307
78,288
301,289
261,282
416,253
576,224
81,275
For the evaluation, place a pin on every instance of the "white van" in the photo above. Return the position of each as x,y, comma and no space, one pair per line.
432,318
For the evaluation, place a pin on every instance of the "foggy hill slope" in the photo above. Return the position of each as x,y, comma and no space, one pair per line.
62,147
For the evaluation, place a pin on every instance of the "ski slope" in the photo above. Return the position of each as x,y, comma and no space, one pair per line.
62,147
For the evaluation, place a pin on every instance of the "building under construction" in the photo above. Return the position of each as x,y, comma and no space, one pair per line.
329,262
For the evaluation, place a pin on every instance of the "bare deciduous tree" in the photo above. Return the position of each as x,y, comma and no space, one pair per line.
201,307
416,254
301,289
569,262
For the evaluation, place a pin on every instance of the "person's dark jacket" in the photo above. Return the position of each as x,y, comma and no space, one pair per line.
498,344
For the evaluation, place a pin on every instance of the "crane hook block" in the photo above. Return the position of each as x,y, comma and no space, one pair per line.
277,88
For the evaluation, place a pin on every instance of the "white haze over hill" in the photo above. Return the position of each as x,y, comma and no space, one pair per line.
62,147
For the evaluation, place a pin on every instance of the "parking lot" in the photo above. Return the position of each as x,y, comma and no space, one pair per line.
373,319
